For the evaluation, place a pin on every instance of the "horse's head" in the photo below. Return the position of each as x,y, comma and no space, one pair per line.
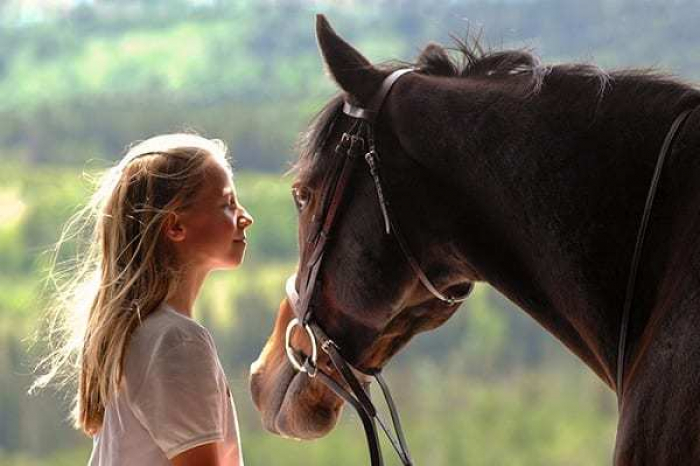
368,298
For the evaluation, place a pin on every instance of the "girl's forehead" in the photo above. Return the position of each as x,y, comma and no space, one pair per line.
218,182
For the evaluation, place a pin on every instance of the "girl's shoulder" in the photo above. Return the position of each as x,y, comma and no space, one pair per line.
166,329
168,352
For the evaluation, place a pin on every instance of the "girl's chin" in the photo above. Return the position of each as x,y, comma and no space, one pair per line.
231,262
234,260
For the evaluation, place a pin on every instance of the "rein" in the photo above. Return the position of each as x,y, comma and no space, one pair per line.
641,233
357,142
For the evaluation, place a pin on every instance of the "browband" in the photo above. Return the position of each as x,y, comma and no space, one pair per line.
370,112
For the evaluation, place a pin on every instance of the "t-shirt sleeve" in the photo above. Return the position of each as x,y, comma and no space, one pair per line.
179,399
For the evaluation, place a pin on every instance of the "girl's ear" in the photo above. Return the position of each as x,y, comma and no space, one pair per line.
173,228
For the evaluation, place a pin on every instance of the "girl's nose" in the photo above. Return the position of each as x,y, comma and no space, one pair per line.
244,219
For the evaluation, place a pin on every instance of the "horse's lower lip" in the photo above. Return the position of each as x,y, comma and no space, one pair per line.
281,409
319,419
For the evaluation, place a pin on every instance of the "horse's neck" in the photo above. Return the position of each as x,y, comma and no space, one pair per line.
558,188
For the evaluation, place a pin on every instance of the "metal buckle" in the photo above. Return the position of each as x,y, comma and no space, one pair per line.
291,355
327,344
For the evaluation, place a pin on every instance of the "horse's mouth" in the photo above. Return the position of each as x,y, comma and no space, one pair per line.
293,405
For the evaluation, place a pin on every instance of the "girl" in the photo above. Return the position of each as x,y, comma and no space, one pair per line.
151,390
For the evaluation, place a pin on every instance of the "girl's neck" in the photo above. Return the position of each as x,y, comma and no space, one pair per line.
183,298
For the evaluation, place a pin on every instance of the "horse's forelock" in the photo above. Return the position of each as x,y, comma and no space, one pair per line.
310,164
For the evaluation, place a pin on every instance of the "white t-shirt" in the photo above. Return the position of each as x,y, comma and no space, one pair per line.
174,397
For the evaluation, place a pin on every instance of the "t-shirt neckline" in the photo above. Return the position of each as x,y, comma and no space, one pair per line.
171,309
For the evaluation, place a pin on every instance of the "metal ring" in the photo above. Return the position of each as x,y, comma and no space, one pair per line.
291,355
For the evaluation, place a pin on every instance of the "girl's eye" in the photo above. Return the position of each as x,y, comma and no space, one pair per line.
301,196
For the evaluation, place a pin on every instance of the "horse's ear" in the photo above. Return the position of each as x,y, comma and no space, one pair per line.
434,60
348,67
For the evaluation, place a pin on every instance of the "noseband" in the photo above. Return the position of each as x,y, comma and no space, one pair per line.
355,143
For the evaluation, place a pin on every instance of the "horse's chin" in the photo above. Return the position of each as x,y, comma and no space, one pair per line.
296,407
309,410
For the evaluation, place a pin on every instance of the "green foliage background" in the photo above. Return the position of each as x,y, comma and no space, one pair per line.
79,82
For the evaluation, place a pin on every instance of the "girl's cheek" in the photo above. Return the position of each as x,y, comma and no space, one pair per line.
229,215
230,220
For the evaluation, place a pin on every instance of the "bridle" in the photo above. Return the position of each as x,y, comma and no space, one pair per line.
355,143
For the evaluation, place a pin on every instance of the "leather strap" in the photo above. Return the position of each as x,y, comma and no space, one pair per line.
319,238
361,399
373,162
331,349
368,421
370,112
402,450
631,281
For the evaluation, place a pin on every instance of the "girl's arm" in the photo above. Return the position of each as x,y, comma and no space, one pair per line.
203,455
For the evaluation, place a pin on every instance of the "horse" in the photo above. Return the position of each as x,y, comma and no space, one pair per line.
531,178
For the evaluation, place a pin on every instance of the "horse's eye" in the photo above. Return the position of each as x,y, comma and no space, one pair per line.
301,197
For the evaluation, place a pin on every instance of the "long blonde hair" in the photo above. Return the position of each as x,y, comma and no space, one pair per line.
124,271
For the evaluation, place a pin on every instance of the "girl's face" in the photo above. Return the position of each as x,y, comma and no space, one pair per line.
210,234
